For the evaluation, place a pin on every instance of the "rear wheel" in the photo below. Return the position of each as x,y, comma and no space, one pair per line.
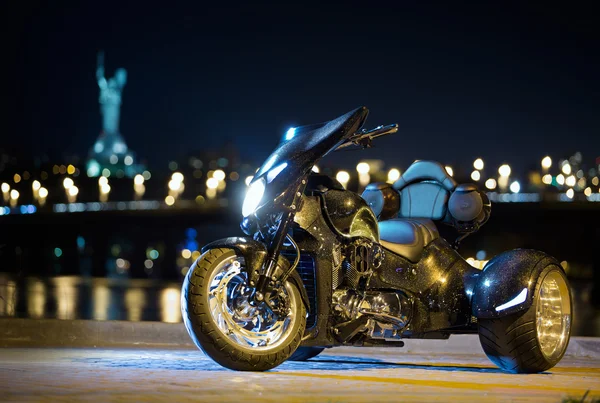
306,353
536,340
222,320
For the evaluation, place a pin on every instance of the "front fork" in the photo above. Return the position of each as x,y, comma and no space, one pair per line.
266,279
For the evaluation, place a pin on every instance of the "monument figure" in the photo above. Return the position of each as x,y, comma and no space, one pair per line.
110,154
110,95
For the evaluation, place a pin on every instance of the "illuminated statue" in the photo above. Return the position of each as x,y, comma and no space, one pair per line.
110,95
110,155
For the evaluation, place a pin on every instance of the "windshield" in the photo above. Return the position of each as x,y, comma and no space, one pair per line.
303,146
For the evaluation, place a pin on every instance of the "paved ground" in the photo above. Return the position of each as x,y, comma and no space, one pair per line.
339,375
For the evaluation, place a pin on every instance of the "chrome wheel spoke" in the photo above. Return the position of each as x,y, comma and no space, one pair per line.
249,326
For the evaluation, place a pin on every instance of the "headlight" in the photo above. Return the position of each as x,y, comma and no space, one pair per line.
253,197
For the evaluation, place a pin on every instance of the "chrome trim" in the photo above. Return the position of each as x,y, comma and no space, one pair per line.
252,327
553,315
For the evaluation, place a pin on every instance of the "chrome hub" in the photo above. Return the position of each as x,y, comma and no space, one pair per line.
249,324
553,315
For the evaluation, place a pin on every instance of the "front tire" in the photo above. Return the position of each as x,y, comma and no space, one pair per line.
535,340
226,327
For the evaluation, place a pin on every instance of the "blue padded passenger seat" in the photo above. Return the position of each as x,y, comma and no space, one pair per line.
424,188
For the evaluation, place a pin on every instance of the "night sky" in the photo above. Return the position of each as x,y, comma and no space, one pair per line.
504,82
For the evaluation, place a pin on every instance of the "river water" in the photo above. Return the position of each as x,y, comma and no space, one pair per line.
77,297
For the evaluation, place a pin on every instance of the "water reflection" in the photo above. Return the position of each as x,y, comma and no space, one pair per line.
170,303
8,296
101,297
75,297
36,298
65,294
135,300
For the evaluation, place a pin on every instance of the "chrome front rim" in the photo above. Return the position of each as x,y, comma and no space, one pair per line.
249,325
553,315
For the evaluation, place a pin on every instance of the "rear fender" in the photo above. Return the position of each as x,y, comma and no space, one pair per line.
254,254
507,283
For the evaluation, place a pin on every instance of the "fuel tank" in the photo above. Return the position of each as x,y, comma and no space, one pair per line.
350,214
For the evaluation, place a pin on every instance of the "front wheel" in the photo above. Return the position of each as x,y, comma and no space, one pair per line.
223,322
536,340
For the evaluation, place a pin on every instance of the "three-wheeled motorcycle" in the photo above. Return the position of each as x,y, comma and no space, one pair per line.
322,266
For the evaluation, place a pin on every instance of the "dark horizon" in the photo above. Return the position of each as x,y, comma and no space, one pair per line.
508,84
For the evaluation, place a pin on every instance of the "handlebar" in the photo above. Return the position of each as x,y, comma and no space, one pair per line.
364,137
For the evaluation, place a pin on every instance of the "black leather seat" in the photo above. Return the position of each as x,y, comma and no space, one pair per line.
407,236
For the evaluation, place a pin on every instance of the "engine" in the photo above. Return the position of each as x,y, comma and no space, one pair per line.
360,258
385,313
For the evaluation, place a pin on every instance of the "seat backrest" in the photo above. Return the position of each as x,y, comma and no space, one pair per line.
424,190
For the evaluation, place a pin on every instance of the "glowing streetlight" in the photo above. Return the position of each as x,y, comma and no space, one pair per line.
363,173
560,179
175,185
570,181
490,184
587,191
475,175
343,177
177,177
546,162
42,194
363,168
72,194
14,197
36,186
219,175
570,193
515,187
212,183
138,179
104,188
393,175
68,183
169,200
5,191
478,164
547,179
566,168
504,170
316,169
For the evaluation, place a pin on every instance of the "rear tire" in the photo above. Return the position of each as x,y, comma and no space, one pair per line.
523,342
213,334
306,353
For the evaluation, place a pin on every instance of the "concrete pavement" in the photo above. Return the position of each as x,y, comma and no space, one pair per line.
100,361
337,375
